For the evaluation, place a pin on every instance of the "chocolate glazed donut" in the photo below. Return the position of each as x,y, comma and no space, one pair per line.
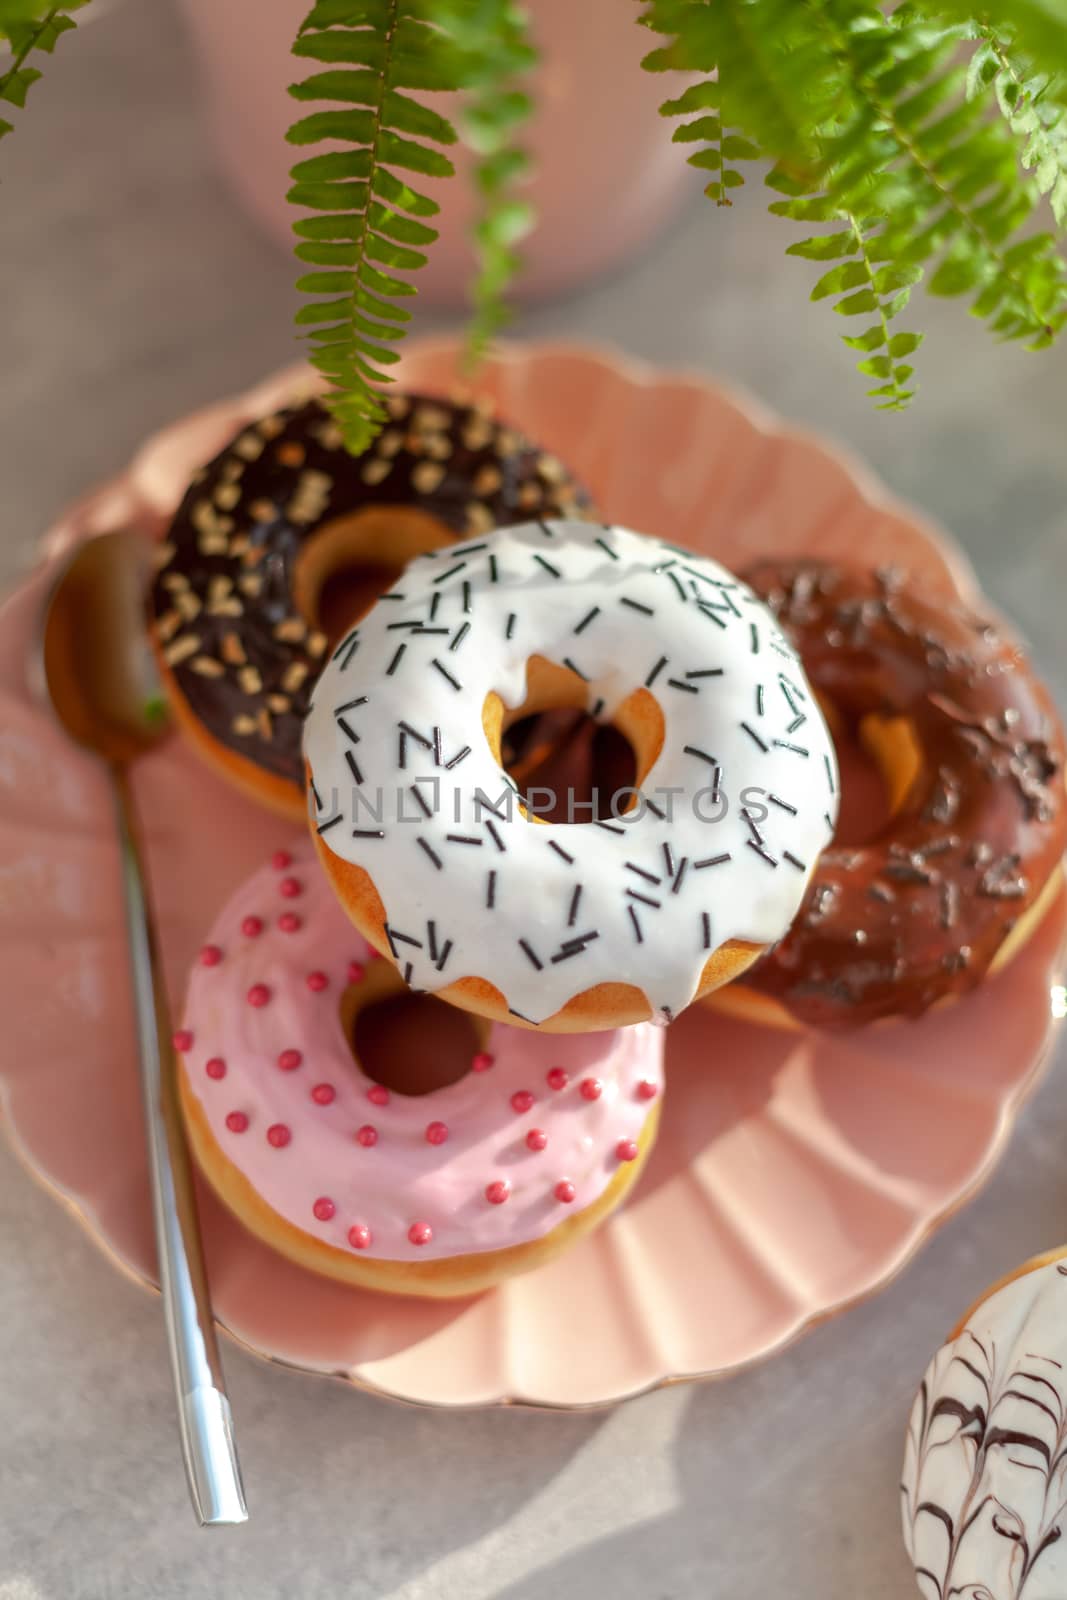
284,539
978,824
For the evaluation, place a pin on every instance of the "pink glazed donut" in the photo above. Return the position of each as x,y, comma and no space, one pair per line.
424,1186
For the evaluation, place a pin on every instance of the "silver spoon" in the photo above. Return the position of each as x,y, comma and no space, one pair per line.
93,666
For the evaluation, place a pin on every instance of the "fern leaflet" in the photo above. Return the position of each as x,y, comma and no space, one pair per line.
28,27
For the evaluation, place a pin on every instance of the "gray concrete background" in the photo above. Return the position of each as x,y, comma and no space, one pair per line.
131,290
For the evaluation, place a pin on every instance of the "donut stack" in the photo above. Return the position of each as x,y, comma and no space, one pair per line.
540,960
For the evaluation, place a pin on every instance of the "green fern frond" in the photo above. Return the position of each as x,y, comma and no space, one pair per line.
29,27
1037,28
492,42
876,136
760,78
1027,99
916,153
366,233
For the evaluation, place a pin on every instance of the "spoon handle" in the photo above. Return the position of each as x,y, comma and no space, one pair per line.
204,1417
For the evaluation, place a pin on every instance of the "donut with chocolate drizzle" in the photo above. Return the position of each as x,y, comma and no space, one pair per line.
978,821
285,539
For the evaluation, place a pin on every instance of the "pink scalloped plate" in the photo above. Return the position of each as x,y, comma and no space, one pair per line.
794,1174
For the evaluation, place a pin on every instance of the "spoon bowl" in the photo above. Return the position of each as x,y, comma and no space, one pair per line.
95,666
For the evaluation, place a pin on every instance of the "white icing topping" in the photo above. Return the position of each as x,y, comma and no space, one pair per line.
985,1471
395,731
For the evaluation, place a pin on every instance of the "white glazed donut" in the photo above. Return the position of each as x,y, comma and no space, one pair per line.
434,1193
984,1485
577,924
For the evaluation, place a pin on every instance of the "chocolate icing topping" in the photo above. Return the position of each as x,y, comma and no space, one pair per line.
920,911
226,621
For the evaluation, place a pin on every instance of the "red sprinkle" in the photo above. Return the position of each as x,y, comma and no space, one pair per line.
557,1078
359,1236
564,1192
420,1233
536,1139
278,1135
378,1094
590,1088
317,981
215,1068
521,1101
646,1090
289,1060
324,1208
436,1132
183,1040
289,922
280,860
252,927
290,887
496,1193
210,955
367,1135
236,1121
626,1150
323,1094
356,972
482,1061
258,995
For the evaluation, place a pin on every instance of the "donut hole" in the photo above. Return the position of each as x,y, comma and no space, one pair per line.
571,766
350,561
413,1044
879,760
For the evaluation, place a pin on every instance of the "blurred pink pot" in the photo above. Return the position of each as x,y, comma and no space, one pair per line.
607,174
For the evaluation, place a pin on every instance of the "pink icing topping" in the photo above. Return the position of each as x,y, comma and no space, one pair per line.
431,1175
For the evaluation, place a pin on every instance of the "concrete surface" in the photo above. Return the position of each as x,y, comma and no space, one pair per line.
132,289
